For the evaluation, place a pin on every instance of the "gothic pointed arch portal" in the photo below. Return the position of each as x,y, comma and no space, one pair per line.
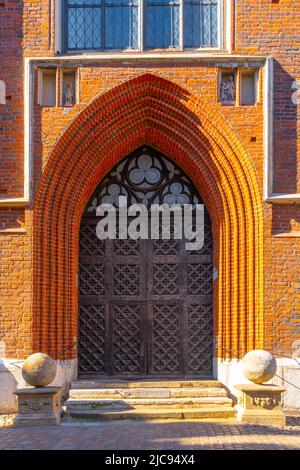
145,305
150,110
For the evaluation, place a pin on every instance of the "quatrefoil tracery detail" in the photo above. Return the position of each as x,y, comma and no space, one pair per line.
145,178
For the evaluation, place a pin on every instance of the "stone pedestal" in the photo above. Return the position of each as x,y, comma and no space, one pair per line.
38,405
260,404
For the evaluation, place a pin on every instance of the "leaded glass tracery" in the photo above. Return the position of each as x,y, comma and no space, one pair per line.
201,18
162,23
114,24
145,178
101,24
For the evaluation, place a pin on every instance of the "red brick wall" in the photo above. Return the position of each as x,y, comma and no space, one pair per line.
11,114
272,29
264,28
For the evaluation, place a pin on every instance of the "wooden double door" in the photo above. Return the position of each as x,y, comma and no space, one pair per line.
145,306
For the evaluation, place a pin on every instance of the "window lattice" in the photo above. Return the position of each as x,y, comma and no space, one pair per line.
114,24
201,20
103,25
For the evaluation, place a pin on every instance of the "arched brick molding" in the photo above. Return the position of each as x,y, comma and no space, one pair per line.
150,110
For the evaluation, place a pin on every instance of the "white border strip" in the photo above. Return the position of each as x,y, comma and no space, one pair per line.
268,128
204,54
58,26
28,128
225,24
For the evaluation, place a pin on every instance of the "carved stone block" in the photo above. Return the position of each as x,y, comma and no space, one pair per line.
227,88
260,404
40,405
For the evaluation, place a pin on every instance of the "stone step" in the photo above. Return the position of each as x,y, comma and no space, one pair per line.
130,403
148,393
158,414
92,398
147,383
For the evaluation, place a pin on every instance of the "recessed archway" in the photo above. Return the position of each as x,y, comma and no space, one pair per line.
154,111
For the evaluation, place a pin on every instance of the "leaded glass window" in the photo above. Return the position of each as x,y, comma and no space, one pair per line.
114,24
201,23
101,25
162,23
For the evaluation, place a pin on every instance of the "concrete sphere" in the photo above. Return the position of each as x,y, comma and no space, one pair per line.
259,366
39,370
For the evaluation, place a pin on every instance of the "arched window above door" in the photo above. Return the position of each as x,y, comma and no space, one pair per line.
146,177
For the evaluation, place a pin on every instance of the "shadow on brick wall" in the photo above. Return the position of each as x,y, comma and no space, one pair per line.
285,132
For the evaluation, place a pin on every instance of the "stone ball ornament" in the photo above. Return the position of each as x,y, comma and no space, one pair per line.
39,370
259,366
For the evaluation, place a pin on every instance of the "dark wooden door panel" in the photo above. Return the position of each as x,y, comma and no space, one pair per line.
199,339
93,339
145,306
165,338
127,338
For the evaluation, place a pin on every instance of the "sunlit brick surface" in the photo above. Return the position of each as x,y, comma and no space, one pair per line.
176,110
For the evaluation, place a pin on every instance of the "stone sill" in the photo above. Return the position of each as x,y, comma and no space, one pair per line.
142,56
260,388
287,235
14,202
13,230
277,198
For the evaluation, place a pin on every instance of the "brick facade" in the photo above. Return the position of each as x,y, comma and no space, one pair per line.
173,106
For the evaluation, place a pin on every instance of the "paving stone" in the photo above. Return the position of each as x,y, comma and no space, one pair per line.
155,435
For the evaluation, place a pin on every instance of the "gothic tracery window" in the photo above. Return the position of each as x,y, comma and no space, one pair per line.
145,178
